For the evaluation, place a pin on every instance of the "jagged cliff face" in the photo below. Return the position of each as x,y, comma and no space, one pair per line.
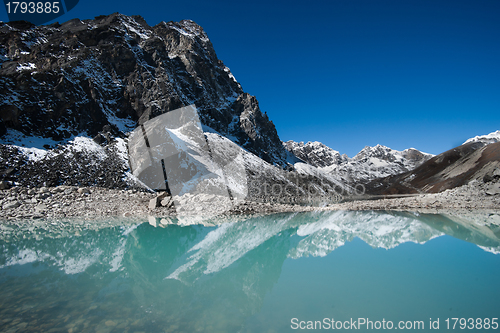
105,76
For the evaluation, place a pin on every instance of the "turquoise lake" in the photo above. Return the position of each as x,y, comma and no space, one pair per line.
276,273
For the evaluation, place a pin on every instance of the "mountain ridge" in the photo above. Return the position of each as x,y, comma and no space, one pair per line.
474,160
369,164
103,77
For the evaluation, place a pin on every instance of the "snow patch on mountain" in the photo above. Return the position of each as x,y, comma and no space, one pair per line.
29,66
486,139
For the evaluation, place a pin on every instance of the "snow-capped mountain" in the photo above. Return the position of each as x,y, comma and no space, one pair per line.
103,77
315,153
370,163
71,93
477,159
485,139
453,168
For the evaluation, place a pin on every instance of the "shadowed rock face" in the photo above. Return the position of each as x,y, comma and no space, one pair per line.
105,76
455,167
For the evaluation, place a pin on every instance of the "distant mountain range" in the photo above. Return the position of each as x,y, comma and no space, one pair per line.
71,93
370,163
476,159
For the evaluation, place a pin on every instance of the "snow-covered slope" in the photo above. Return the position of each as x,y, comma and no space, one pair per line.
486,139
378,162
370,163
268,183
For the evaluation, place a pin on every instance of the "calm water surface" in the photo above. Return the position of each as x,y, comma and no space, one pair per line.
260,274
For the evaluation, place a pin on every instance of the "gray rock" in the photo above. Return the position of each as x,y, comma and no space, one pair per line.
153,221
162,194
166,202
58,189
11,205
42,196
83,190
166,221
493,189
4,185
40,208
153,203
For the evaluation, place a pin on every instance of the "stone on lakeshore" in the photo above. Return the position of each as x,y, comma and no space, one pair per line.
40,208
58,189
165,202
4,185
83,190
494,189
11,204
69,190
166,221
162,194
42,196
153,203
153,221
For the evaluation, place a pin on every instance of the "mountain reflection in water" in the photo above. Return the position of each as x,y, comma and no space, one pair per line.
182,277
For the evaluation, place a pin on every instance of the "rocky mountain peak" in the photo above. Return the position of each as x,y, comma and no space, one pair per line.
370,163
107,75
379,151
415,155
315,153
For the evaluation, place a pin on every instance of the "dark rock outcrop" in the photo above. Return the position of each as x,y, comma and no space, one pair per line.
105,76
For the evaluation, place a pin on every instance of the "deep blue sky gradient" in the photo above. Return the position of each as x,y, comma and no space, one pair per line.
350,73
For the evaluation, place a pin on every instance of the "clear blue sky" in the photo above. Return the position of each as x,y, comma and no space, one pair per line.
350,73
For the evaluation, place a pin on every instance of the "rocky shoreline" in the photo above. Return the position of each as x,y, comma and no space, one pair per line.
95,202
473,196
